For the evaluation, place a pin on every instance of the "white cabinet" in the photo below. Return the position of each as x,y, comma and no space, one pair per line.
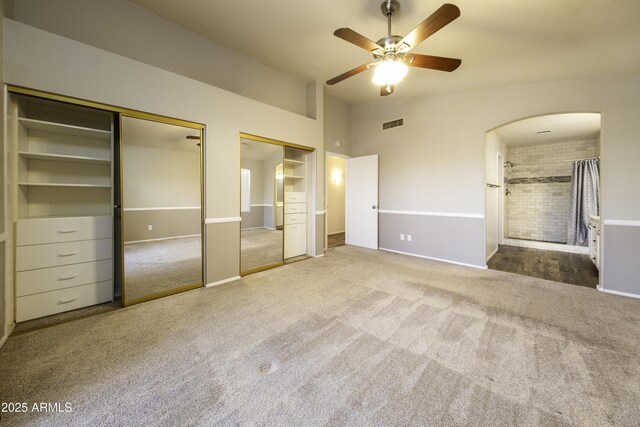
594,240
54,230
295,202
63,174
295,240
58,301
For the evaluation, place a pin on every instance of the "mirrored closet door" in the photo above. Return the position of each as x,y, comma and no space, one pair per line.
261,205
161,208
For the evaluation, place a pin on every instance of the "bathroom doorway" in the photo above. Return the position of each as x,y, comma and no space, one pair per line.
542,198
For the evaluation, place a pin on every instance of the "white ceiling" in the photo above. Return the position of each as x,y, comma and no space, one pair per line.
158,135
563,127
500,42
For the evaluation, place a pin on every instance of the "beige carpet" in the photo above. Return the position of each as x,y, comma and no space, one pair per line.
161,265
357,337
260,247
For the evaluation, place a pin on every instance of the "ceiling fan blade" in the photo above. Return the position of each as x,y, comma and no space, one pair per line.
341,77
437,20
432,62
358,39
386,90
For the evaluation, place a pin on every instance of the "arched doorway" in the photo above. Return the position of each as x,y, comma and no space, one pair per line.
535,203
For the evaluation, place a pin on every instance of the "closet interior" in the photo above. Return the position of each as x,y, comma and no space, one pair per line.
63,175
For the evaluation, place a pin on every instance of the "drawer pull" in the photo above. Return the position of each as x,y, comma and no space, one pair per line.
63,254
67,277
67,231
67,301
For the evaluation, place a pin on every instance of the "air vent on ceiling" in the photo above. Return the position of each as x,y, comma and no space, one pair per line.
392,124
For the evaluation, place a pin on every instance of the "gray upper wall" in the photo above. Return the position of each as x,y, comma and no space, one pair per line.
337,124
435,162
131,31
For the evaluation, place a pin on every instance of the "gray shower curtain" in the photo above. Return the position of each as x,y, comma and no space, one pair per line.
585,200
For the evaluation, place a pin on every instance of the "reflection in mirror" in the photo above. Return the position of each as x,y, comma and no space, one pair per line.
261,205
161,215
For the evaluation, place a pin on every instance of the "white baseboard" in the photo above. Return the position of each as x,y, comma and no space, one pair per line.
162,238
481,267
492,254
622,294
257,228
560,247
318,256
7,333
222,282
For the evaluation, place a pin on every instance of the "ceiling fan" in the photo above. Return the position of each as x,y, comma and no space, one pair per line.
390,54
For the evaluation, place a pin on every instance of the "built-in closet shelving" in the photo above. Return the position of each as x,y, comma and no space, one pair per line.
63,173
295,202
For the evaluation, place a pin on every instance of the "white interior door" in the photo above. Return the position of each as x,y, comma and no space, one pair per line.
362,202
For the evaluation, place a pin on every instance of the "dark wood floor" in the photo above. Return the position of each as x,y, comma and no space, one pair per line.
575,269
335,240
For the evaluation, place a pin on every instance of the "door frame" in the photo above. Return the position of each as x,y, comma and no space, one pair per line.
500,198
328,154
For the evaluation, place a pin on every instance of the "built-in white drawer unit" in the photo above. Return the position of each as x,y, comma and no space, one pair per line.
55,254
295,240
52,302
295,208
295,197
56,230
67,276
295,218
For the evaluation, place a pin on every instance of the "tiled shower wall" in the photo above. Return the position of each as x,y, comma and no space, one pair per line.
537,207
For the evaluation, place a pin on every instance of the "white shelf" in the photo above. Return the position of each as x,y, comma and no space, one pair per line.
64,129
64,158
294,177
74,216
294,162
62,184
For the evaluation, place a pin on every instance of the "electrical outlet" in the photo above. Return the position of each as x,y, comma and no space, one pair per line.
408,237
149,227
402,237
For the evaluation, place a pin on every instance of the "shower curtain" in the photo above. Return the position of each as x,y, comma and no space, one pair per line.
585,200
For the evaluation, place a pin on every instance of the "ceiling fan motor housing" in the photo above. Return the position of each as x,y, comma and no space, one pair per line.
389,7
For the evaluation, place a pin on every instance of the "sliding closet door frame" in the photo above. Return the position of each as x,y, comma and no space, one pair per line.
176,122
128,112
284,145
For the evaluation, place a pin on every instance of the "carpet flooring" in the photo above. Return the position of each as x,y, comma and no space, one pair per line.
161,265
260,247
565,267
357,337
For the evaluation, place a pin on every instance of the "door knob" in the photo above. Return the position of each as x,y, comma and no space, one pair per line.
373,207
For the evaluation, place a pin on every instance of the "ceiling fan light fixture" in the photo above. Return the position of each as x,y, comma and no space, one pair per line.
389,72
